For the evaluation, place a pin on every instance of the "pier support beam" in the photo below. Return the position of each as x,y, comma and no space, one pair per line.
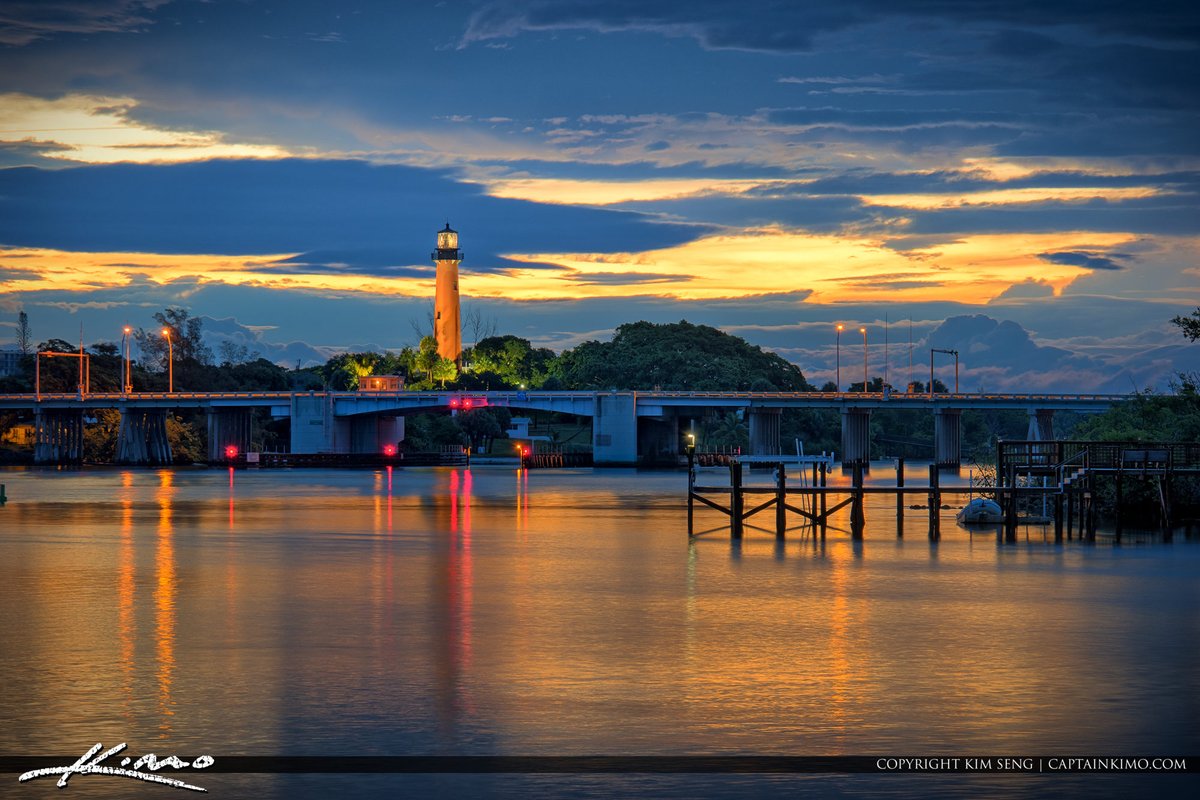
226,427
58,436
856,436
614,429
1041,425
947,451
764,431
142,437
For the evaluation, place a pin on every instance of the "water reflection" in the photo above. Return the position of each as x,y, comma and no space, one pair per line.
125,590
164,600
454,577
410,612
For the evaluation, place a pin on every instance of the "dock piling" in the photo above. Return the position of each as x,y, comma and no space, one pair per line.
935,503
857,516
780,500
736,500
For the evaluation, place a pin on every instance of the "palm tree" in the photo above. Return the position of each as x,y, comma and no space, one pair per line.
729,431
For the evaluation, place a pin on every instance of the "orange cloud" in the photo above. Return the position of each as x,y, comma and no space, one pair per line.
827,268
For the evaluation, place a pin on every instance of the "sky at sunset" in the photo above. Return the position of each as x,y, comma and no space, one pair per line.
1015,179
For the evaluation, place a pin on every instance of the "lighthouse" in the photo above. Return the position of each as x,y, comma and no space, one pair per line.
447,326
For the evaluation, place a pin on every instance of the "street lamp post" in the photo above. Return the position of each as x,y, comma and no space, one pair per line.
863,331
840,328
949,353
126,370
170,361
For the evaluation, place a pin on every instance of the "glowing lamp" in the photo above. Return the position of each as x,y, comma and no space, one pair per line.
231,451
467,403
389,450
454,402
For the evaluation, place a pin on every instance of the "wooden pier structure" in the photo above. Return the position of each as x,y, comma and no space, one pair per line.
1062,476
1066,477
814,500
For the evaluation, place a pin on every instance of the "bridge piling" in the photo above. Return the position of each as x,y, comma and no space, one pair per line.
142,437
899,498
947,425
58,436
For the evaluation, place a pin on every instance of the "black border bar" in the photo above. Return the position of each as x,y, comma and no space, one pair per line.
652,764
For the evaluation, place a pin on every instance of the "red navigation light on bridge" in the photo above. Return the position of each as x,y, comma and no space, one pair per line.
389,450
231,451
467,402
454,402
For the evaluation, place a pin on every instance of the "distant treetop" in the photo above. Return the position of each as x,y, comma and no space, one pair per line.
676,356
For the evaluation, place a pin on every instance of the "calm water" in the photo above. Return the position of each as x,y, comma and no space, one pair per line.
566,613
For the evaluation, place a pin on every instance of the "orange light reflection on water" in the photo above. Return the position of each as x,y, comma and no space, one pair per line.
125,591
164,600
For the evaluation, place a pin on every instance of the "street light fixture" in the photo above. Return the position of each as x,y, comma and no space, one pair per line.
170,361
863,331
840,328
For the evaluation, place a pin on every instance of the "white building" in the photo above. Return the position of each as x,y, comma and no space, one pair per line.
10,362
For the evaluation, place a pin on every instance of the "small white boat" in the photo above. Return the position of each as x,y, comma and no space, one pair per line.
980,511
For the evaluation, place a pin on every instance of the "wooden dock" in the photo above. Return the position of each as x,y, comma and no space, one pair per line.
1067,476
813,500
1063,476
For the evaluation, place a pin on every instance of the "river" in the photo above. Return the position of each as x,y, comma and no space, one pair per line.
433,612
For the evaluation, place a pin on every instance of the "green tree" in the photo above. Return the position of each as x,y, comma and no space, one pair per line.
359,366
729,431
186,347
427,357
480,425
1189,325
675,357
444,370
24,334
513,359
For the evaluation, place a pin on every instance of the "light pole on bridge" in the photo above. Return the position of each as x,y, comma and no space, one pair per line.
840,328
170,362
863,331
949,353
126,371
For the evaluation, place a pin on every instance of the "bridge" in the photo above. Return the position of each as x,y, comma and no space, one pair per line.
624,424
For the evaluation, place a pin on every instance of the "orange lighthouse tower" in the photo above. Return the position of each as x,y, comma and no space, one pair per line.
447,325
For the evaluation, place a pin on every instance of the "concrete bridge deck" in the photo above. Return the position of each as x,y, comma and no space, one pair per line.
348,422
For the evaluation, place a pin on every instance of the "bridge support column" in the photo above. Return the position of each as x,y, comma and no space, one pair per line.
764,431
142,437
314,427
1041,425
227,426
614,429
856,436
58,436
947,448
370,432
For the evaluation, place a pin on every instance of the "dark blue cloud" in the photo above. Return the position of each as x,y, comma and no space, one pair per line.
1081,259
1155,215
25,21
338,210
786,26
